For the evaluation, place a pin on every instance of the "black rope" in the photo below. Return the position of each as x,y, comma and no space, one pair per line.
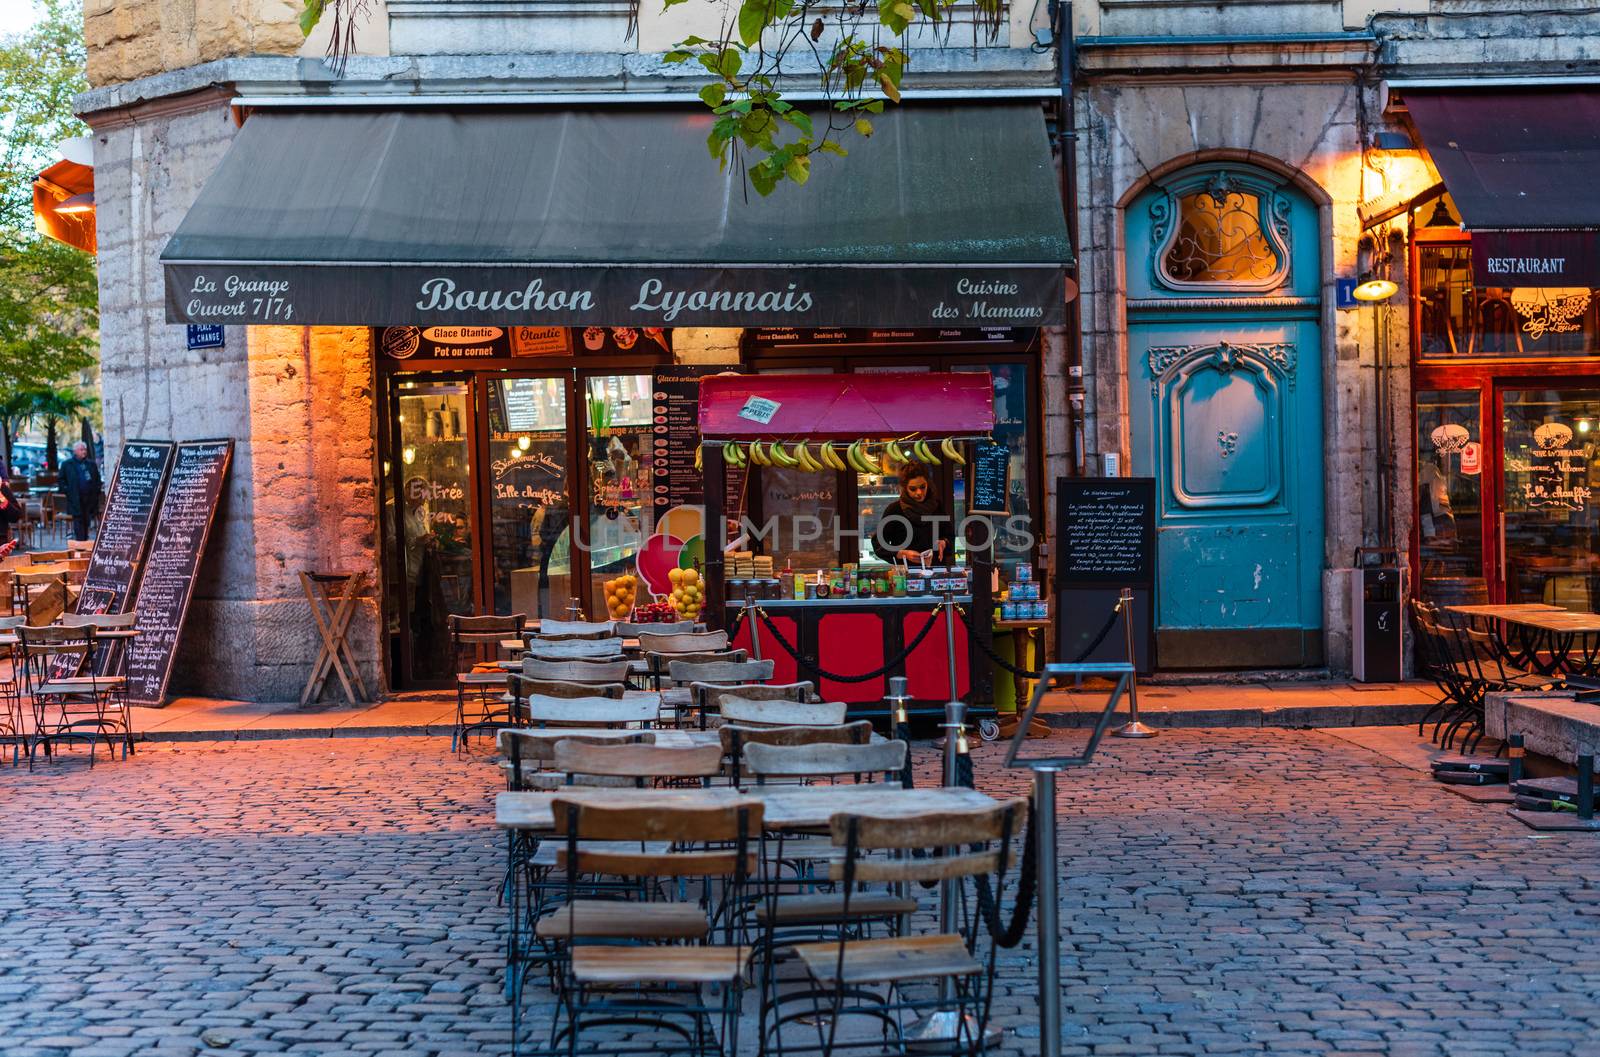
1027,888
1111,622
817,670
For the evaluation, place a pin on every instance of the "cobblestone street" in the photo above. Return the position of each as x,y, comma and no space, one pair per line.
1279,892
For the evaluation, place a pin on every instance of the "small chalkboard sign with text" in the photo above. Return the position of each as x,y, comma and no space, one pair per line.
991,478
183,525
119,546
1105,541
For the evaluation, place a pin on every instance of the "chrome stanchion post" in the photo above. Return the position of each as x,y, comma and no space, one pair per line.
944,1025
1133,728
1045,769
575,608
753,621
1048,909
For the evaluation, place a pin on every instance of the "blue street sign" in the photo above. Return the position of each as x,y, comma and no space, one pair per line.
1344,293
205,335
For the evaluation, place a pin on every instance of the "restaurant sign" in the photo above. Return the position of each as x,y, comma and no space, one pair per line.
617,295
1536,258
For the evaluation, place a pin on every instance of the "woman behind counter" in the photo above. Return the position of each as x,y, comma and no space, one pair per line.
914,523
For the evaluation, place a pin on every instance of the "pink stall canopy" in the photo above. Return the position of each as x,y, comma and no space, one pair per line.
845,406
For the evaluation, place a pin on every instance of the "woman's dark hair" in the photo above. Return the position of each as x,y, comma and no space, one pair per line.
910,472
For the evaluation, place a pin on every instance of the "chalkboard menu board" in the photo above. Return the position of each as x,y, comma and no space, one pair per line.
991,478
1105,541
1107,531
183,524
119,547
677,434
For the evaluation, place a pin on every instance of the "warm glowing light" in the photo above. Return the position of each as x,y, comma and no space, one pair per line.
1375,290
1583,425
408,456
83,203
523,442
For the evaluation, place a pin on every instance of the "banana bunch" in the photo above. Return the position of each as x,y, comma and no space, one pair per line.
858,457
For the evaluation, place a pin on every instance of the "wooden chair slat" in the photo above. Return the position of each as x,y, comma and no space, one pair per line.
823,759
638,761
752,712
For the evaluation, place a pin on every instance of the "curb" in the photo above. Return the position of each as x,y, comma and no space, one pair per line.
1289,717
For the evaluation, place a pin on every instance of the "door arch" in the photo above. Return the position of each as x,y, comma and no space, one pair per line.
1225,412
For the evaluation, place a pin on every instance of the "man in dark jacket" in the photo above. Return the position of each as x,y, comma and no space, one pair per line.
80,483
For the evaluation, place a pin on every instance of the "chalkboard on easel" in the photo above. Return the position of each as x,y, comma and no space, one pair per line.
183,525
1105,541
991,478
119,546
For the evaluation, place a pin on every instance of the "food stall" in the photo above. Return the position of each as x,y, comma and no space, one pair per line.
859,623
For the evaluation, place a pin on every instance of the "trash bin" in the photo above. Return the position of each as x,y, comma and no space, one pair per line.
1376,595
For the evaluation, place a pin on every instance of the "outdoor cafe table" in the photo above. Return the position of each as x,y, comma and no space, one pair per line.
1546,635
9,638
785,806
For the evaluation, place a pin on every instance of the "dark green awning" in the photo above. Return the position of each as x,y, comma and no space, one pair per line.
947,215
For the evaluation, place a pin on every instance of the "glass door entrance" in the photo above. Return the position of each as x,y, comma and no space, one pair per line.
434,519
1550,452
529,475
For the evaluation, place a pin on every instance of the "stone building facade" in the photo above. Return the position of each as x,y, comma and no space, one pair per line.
1288,94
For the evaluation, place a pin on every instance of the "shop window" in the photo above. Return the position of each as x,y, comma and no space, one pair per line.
1013,421
1221,231
1449,496
1457,319
621,465
1552,473
530,520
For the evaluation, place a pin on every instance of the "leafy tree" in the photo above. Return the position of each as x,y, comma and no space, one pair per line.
48,292
851,50
55,406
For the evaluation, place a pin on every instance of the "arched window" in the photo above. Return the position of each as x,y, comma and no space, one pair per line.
1221,229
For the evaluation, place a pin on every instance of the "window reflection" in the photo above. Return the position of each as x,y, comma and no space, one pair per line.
619,449
1458,319
1449,486
1552,471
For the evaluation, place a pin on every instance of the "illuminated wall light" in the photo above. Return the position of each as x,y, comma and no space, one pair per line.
408,456
77,204
523,442
1375,290
1583,425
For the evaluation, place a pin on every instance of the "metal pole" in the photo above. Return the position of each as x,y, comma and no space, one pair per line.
1586,787
955,710
753,622
1049,943
1133,728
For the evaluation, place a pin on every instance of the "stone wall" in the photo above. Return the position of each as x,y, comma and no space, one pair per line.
128,39
296,402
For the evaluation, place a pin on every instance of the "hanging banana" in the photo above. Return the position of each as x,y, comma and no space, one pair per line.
892,450
857,459
758,454
732,455
952,452
699,458
830,457
924,453
780,457
802,455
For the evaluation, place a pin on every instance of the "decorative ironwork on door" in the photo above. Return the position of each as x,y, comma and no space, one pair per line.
1220,230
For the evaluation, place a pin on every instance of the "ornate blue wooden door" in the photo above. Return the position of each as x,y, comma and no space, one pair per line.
1225,401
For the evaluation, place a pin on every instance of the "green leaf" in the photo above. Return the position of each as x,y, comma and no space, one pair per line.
677,56
873,106
798,169
689,42
764,178
668,5
799,119
714,93
752,20
728,63
311,16
863,126
831,147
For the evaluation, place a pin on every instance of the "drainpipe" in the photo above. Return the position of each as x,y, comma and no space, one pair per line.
1067,144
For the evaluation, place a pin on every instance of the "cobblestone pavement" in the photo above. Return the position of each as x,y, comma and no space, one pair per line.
1274,892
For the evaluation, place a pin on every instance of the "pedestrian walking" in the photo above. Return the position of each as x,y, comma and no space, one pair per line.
10,514
80,483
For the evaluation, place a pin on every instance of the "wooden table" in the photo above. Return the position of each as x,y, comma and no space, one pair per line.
1546,635
786,806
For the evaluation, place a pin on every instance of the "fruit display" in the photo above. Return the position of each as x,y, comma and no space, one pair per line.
687,595
655,613
861,456
620,593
